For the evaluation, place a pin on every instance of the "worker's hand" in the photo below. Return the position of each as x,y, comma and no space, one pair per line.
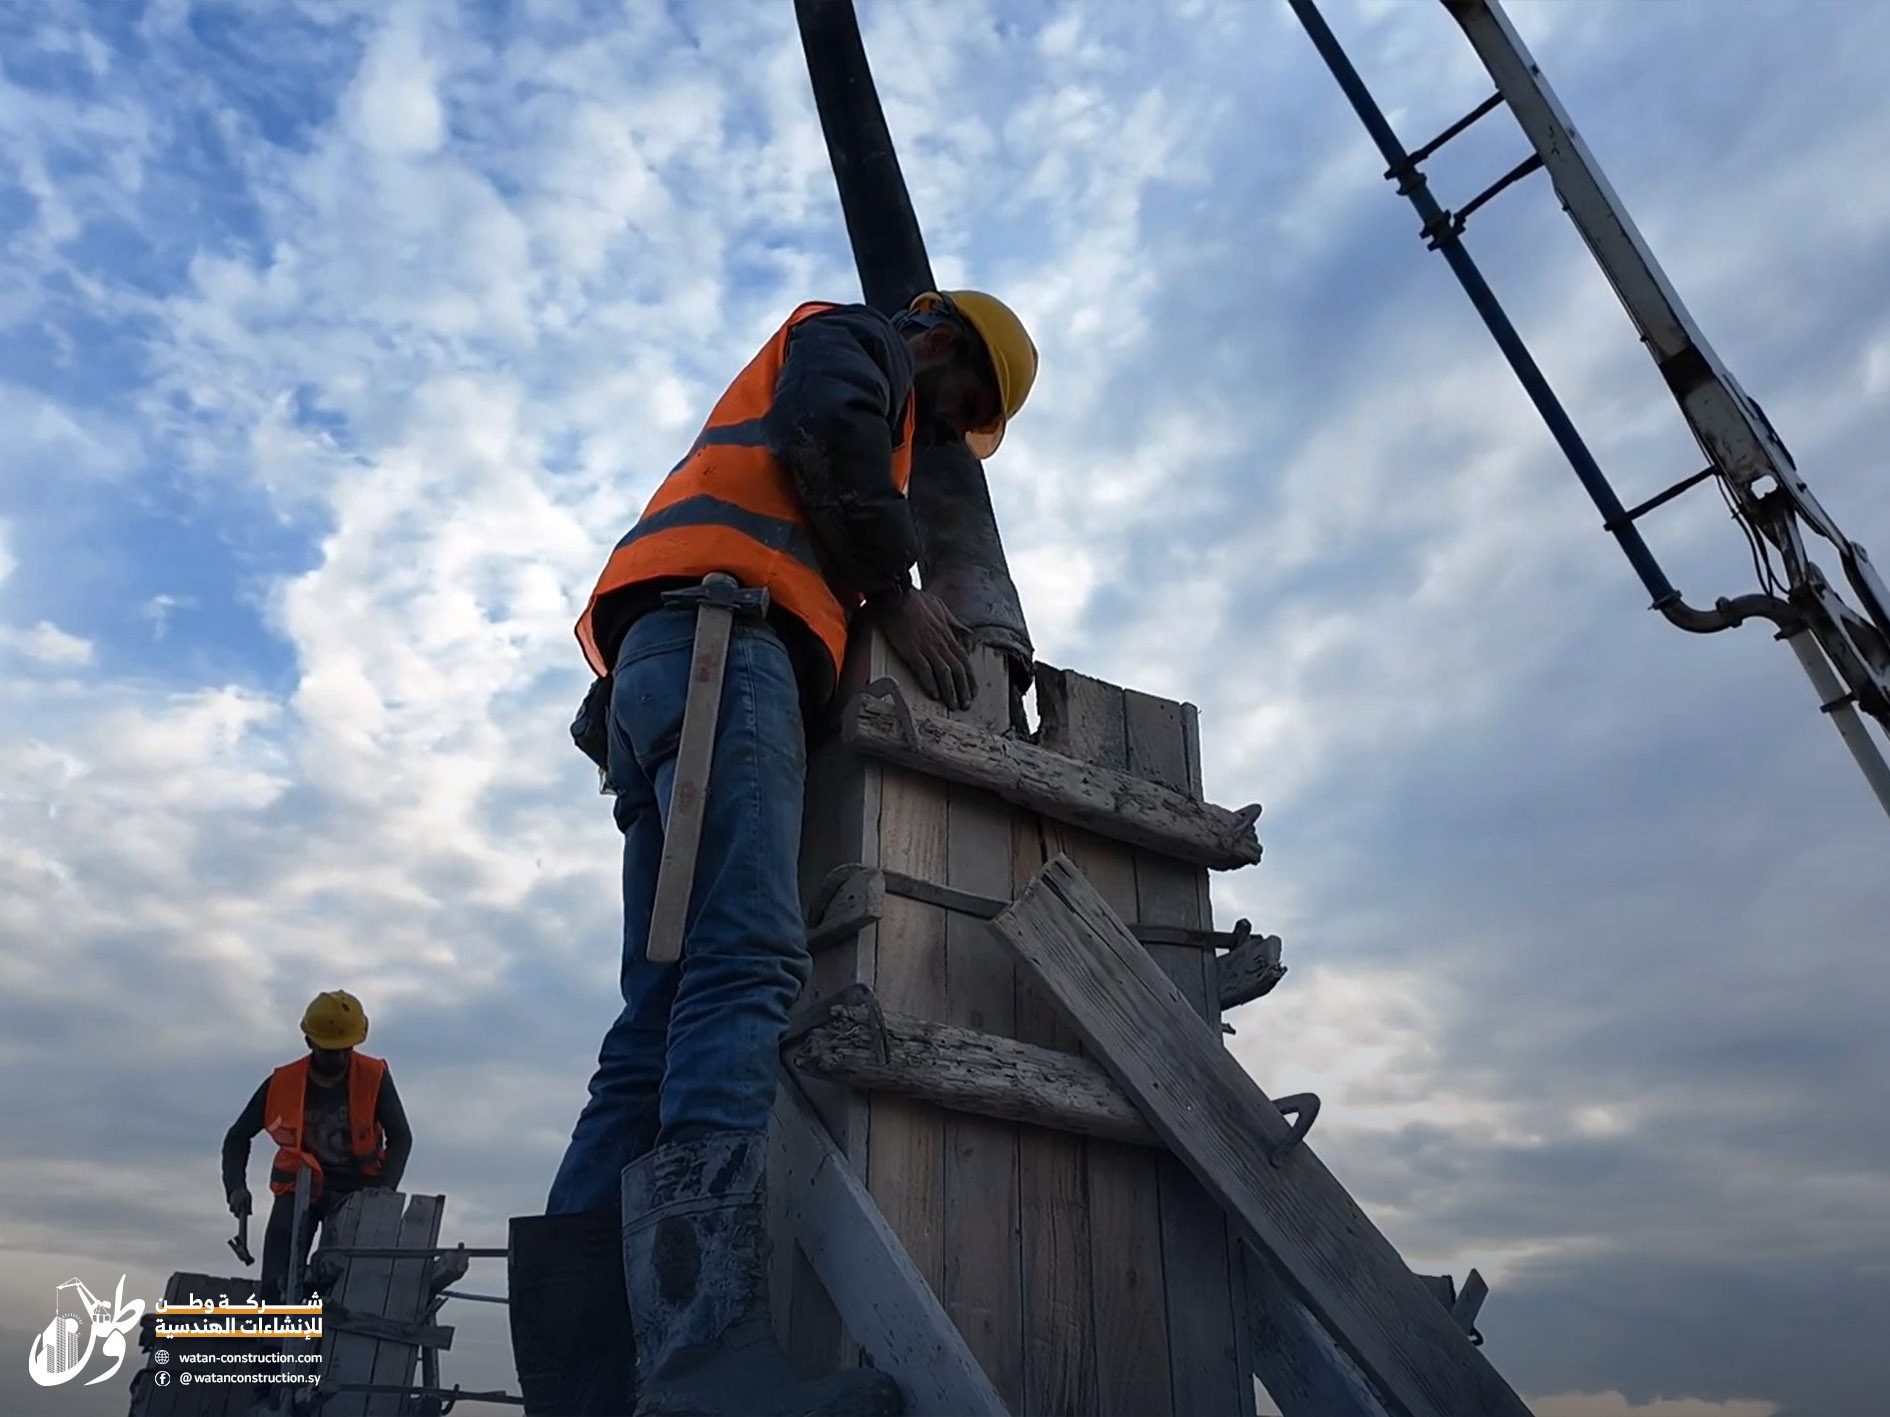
239,1201
930,640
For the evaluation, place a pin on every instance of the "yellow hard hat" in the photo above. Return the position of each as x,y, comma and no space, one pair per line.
1013,356
335,1020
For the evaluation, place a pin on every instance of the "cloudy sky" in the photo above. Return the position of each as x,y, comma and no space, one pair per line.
338,340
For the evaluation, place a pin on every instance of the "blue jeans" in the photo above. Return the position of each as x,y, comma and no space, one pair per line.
694,1049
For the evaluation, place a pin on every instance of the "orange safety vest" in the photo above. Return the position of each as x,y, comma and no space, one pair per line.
730,505
282,1119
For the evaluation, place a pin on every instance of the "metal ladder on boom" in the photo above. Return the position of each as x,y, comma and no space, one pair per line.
1844,651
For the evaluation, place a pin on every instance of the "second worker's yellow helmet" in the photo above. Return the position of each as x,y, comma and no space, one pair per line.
335,1019
1013,355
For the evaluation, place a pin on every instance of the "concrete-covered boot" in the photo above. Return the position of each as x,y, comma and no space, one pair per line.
571,1337
695,1253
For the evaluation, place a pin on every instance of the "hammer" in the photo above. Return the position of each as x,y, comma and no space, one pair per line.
718,600
239,1243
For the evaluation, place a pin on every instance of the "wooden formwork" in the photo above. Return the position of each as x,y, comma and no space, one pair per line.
1085,1275
1059,1193
378,1308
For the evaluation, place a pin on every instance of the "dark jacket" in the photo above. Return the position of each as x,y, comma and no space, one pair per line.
838,407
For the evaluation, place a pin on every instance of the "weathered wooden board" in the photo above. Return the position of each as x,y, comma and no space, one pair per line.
905,1141
375,1222
882,1297
1197,1249
983,1285
1214,1116
394,1360
1060,1336
968,1070
1109,802
840,824
1129,1350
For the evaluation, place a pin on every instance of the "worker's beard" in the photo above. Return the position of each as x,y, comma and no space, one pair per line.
928,428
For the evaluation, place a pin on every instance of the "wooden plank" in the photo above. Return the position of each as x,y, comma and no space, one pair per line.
1196,787
1304,1371
1123,1365
407,1297
880,1294
1197,1250
906,1139
1135,1343
983,1284
968,1070
1109,802
1168,891
340,1230
1214,1116
840,823
363,1288
1053,1212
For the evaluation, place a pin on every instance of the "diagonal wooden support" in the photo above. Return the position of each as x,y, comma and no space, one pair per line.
1305,1372
1217,1120
881,1297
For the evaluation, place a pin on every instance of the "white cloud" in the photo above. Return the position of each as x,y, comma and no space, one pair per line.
394,105
160,608
46,643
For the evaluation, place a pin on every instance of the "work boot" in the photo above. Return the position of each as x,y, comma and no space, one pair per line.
571,1337
696,1255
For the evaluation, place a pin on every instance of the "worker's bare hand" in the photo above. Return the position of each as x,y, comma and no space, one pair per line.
930,640
239,1201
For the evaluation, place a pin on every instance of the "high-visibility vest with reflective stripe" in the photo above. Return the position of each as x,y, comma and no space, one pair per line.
730,505
282,1119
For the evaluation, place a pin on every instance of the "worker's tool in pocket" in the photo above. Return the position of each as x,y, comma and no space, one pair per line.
718,600
590,730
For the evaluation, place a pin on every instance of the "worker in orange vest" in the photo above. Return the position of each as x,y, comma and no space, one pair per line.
796,483
334,1111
